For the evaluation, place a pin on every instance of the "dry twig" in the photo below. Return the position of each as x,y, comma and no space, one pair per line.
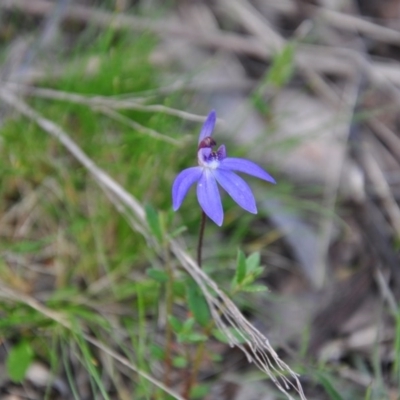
382,190
356,24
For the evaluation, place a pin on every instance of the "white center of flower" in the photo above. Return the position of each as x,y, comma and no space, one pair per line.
213,164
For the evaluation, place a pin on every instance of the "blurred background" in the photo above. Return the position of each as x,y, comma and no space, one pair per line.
309,89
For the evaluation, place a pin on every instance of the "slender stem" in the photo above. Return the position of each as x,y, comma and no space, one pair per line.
201,235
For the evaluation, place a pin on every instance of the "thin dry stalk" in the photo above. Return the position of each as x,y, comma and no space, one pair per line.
254,22
391,140
386,292
382,190
347,22
332,187
131,103
357,25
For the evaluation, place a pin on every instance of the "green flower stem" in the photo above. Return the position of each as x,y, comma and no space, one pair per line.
201,235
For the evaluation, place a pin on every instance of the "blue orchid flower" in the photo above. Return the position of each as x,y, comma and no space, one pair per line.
215,166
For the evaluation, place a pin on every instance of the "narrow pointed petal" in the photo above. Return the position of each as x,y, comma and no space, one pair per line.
209,197
247,167
208,126
237,188
182,184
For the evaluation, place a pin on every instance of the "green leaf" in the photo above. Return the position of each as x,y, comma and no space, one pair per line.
260,103
18,361
192,337
222,337
329,387
197,303
200,391
178,231
188,325
255,288
157,274
216,357
240,267
178,288
252,262
177,325
279,74
63,294
127,289
257,271
153,221
179,362
250,278
195,337
29,246
157,352
281,70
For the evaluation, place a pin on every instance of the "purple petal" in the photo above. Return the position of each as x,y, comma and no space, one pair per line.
182,184
237,188
208,126
221,152
247,167
209,197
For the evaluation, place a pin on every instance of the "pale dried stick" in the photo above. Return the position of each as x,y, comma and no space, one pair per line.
225,313
254,22
391,140
382,190
111,102
356,24
331,189
386,292
347,22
